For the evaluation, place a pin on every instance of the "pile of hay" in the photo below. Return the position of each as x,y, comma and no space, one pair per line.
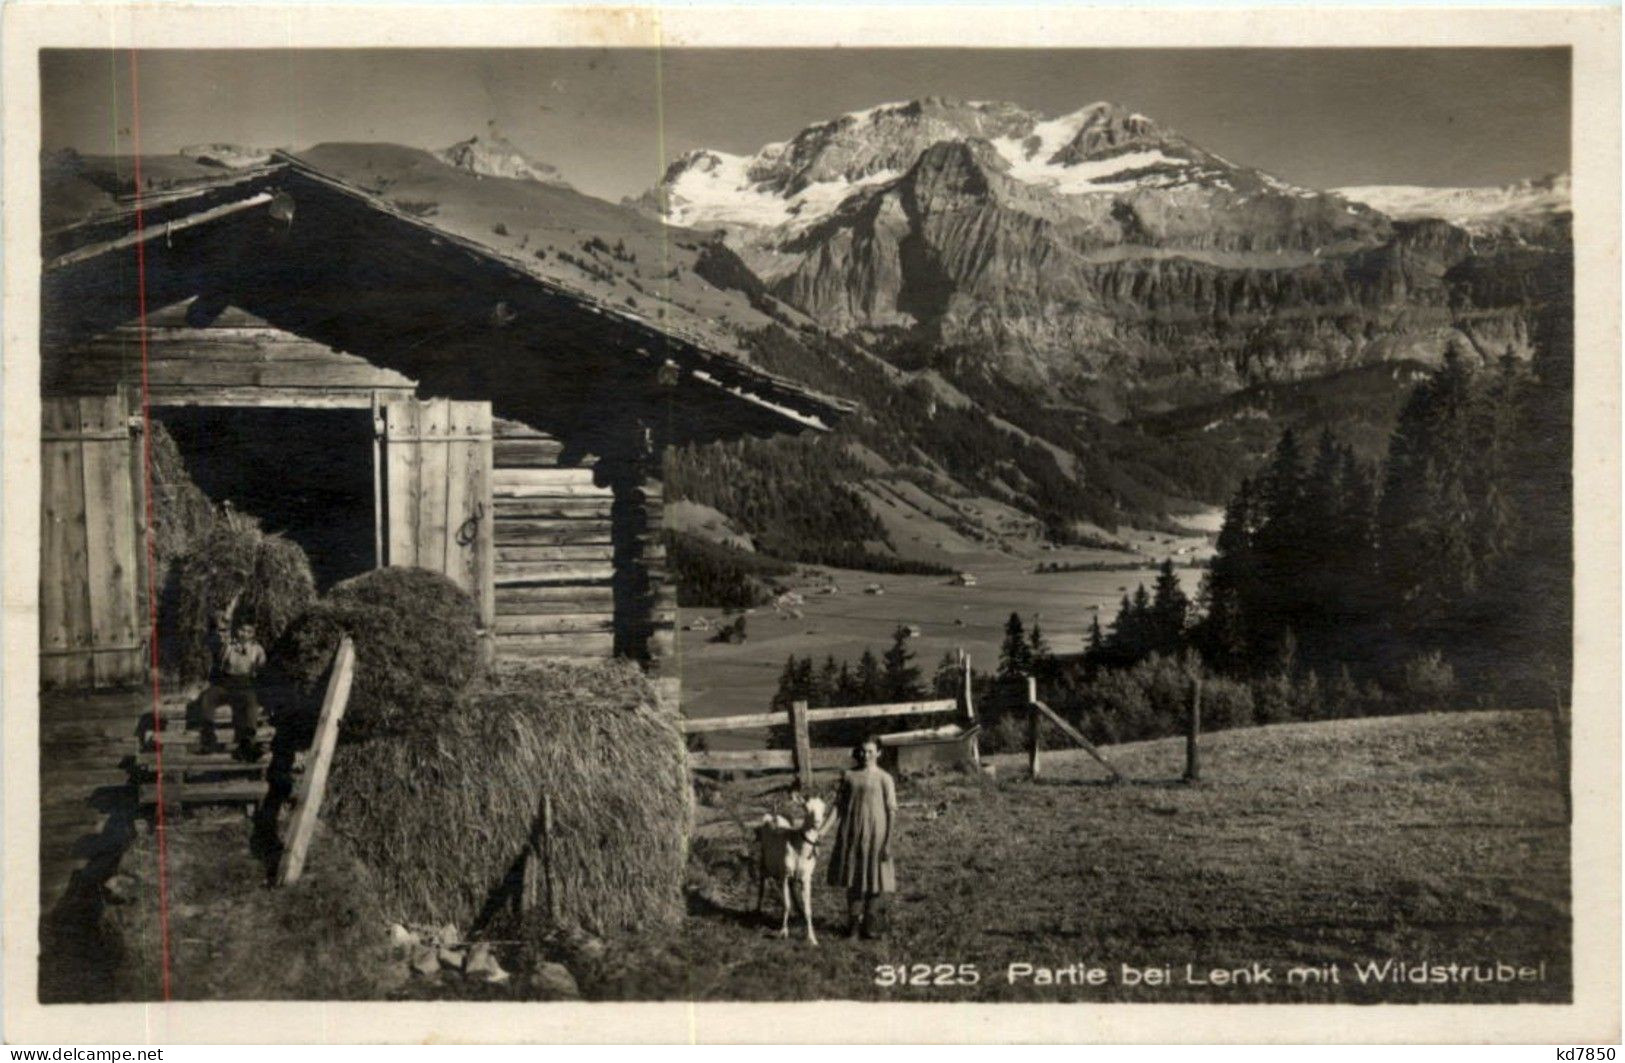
232,567
211,561
416,643
182,515
444,817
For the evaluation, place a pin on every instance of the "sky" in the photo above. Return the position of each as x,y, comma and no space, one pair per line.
612,119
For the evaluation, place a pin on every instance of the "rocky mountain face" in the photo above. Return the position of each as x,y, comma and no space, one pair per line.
1101,254
494,156
1066,323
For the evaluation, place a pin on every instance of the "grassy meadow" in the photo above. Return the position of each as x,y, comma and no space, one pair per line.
1429,839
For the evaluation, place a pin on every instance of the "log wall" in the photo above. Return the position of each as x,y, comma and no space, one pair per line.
555,550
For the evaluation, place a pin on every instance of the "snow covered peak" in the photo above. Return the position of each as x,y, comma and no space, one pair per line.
709,189
493,156
1467,207
1101,149
868,113
228,156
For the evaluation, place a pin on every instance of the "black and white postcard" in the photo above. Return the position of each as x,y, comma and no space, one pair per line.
547,507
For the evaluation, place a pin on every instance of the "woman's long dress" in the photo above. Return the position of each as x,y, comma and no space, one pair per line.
867,801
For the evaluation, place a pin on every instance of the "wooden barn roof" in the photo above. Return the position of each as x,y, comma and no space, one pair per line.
369,277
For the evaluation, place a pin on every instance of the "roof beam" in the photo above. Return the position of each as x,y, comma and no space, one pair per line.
142,235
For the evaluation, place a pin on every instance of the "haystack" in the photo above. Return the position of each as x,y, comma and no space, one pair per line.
232,567
444,819
182,515
416,648
208,561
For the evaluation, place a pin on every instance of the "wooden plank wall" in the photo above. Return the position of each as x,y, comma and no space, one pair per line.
437,484
92,589
555,551
235,359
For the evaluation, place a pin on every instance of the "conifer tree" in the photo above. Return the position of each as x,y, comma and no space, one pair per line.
1227,586
827,684
786,692
945,682
1039,652
899,677
846,688
1169,611
1015,655
1096,640
870,684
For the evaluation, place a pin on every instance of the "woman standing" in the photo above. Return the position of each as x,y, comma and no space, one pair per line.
861,863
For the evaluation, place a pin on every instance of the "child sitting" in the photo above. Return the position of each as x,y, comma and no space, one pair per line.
237,664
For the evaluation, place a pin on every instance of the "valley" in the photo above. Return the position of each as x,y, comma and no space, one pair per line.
836,616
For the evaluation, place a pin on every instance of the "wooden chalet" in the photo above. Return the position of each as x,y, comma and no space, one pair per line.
511,425
424,398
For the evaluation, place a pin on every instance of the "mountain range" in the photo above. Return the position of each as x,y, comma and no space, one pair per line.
1055,325
1101,255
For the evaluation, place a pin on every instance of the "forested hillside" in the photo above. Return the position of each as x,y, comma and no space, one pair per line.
1442,576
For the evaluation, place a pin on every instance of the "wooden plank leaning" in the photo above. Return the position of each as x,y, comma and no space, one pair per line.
313,787
1072,733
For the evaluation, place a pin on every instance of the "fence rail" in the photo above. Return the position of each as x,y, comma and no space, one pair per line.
803,758
853,712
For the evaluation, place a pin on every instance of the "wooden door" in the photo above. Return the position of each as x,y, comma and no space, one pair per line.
93,629
434,509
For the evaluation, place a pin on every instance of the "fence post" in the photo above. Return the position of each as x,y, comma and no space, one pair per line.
1193,731
970,709
801,746
1035,740
548,878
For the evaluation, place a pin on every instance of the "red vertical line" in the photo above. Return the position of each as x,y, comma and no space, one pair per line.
152,549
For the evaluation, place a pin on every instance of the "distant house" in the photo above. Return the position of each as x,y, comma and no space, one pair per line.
874,588
964,579
912,630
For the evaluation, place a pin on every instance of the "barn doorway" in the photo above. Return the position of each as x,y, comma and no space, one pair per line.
305,474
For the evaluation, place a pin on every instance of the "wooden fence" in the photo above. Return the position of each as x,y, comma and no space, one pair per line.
1038,714
803,758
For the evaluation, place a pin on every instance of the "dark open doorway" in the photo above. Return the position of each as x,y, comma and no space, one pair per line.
306,474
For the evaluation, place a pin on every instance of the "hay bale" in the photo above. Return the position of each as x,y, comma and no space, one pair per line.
182,515
210,561
443,820
237,568
416,644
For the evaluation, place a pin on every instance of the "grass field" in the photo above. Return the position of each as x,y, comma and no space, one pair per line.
1427,839
721,679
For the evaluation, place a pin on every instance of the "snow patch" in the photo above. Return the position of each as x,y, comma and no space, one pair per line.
878,109
716,189
1087,177
1462,204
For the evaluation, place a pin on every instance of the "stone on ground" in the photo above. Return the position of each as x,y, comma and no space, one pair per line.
556,982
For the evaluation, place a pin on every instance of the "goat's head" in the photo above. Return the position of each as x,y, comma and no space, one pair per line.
816,811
